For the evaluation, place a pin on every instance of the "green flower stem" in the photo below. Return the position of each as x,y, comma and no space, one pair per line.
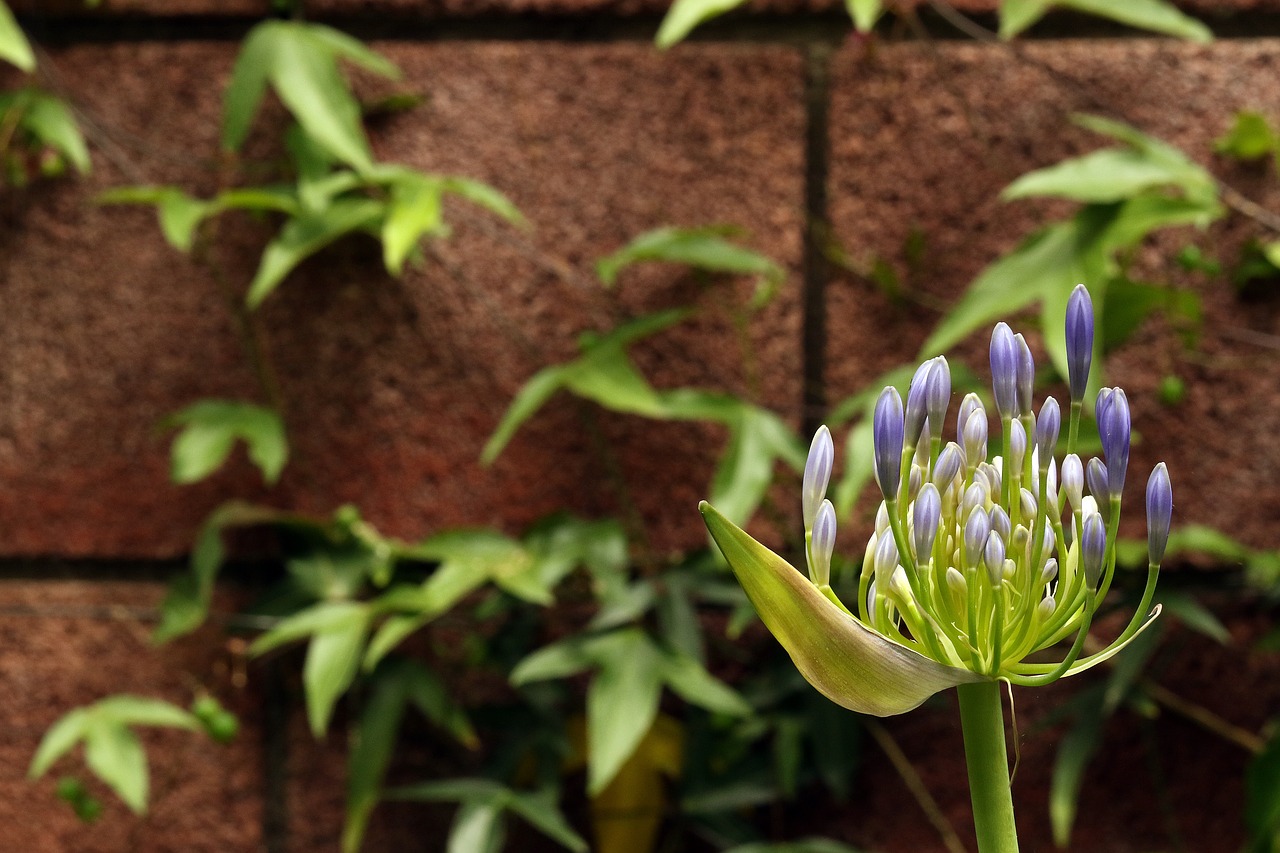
982,720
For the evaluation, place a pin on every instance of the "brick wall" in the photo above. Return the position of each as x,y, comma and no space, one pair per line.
769,120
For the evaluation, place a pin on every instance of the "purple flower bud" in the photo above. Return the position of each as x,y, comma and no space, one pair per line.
914,481
1093,548
948,466
938,393
991,476
1050,571
917,398
1073,479
1048,424
926,513
824,543
1115,440
1026,376
817,474
1017,448
1159,513
1096,476
993,557
886,560
1079,340
1000,522
1004,370
970,404
974,496
887,436
1101,406
976,530
974,436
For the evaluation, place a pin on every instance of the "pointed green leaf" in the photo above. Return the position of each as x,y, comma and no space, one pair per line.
847,662
50,120
210,428
1250,137
691,681
61,737
144,711
1158,16
1262,798
1108,175
14,47
303,236
558,660
1017,15
542,811
413,212
391,633
622,703
353,50
684,15
248,83
478,827
701,248
333,659
864,13
115,756
483,195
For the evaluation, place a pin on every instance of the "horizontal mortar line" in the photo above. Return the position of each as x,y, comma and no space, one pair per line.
237,572
129,613
830,26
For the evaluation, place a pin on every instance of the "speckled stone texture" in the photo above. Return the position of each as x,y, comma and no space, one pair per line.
924,139
392,386
68,643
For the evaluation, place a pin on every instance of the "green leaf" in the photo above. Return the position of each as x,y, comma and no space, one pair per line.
1196,616
543,813
1262,798
391,633
558,660
306,78
413,212
602,373
210,428
333,659
847,662
700,248
864,13
248,83
14,47
58,741
691,681
684,15
1155,15
325,616
478,827
305,235
483,195
1074,754
132,710
1250,137
179,213
187,602
1109,175
622,703
353,50
115,756
51,121
1158,16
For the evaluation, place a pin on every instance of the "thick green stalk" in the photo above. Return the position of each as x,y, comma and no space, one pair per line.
982,720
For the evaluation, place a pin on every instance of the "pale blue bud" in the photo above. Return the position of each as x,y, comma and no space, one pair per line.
1096,476
1017,447
991,475
886,559
926,514
1115,440
1093,548
882,519
1004,370
1027,503
1046,607
1050,571
993,557
1079,340
976,530
947,468
1048,424
824,543
914,481
955,581
974,437
917,408
938,393
1026,377
1073,479
974,496
817,474
887,437
970,404
1000,521
1159,513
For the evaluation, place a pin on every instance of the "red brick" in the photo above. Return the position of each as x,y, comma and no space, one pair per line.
64,644
925,137
392,387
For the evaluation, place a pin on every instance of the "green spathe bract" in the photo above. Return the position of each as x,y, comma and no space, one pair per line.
847,662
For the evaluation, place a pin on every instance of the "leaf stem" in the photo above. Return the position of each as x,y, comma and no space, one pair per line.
982,721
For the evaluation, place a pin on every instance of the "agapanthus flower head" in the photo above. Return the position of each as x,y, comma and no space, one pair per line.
975,566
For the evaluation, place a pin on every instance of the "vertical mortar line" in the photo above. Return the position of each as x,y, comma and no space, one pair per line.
817,99
275,757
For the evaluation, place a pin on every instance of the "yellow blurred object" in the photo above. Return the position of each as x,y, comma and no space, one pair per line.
627,814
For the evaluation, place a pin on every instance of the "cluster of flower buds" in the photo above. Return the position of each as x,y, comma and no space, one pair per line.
979,560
